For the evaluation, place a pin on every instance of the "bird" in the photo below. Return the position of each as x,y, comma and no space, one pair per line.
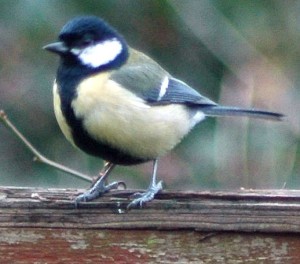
116,103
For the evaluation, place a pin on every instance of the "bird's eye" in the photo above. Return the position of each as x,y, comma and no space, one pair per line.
86,41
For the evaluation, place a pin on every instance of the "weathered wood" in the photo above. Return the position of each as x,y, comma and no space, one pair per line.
43,226
250,211
36,245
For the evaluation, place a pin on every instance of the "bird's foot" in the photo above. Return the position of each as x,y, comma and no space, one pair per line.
97,190
141,198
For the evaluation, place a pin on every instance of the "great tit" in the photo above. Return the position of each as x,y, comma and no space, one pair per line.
116,103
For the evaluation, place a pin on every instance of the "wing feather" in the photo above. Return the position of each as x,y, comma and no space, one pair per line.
148,80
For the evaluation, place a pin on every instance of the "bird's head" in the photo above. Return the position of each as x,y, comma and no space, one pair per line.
90,42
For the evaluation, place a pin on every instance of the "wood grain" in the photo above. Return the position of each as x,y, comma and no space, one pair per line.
48,245
43,226
250,211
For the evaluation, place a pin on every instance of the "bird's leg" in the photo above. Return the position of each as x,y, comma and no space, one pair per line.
153,189
100,185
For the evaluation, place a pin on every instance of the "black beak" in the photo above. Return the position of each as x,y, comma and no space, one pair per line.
57,47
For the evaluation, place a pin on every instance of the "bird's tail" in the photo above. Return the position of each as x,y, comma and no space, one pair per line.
235,111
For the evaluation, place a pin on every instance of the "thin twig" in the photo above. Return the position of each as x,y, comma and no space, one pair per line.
37,155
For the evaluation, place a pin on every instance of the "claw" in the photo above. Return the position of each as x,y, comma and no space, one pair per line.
137,195
96,191
121,184
99,187
145,197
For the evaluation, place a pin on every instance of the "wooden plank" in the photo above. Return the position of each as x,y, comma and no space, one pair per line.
248,211
36,245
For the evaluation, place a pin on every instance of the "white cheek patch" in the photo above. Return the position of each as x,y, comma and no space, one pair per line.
99,54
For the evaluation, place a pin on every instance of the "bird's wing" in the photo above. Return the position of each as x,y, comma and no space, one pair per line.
148,80
173,90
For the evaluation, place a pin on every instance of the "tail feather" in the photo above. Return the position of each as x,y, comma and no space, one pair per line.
235,111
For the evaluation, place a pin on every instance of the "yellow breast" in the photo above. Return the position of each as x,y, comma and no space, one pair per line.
59,116
116,116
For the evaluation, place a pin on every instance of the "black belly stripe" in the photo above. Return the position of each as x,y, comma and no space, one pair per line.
98,148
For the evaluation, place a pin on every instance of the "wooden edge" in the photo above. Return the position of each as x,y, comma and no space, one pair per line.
243,210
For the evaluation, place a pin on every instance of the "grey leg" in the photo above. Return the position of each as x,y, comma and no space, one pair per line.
99,187
153,189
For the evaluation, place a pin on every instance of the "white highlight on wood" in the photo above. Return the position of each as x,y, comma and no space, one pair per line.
99,54
163,88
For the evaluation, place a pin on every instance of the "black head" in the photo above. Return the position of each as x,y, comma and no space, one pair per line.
90,42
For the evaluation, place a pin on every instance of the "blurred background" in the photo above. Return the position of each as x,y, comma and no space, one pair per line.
243,53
